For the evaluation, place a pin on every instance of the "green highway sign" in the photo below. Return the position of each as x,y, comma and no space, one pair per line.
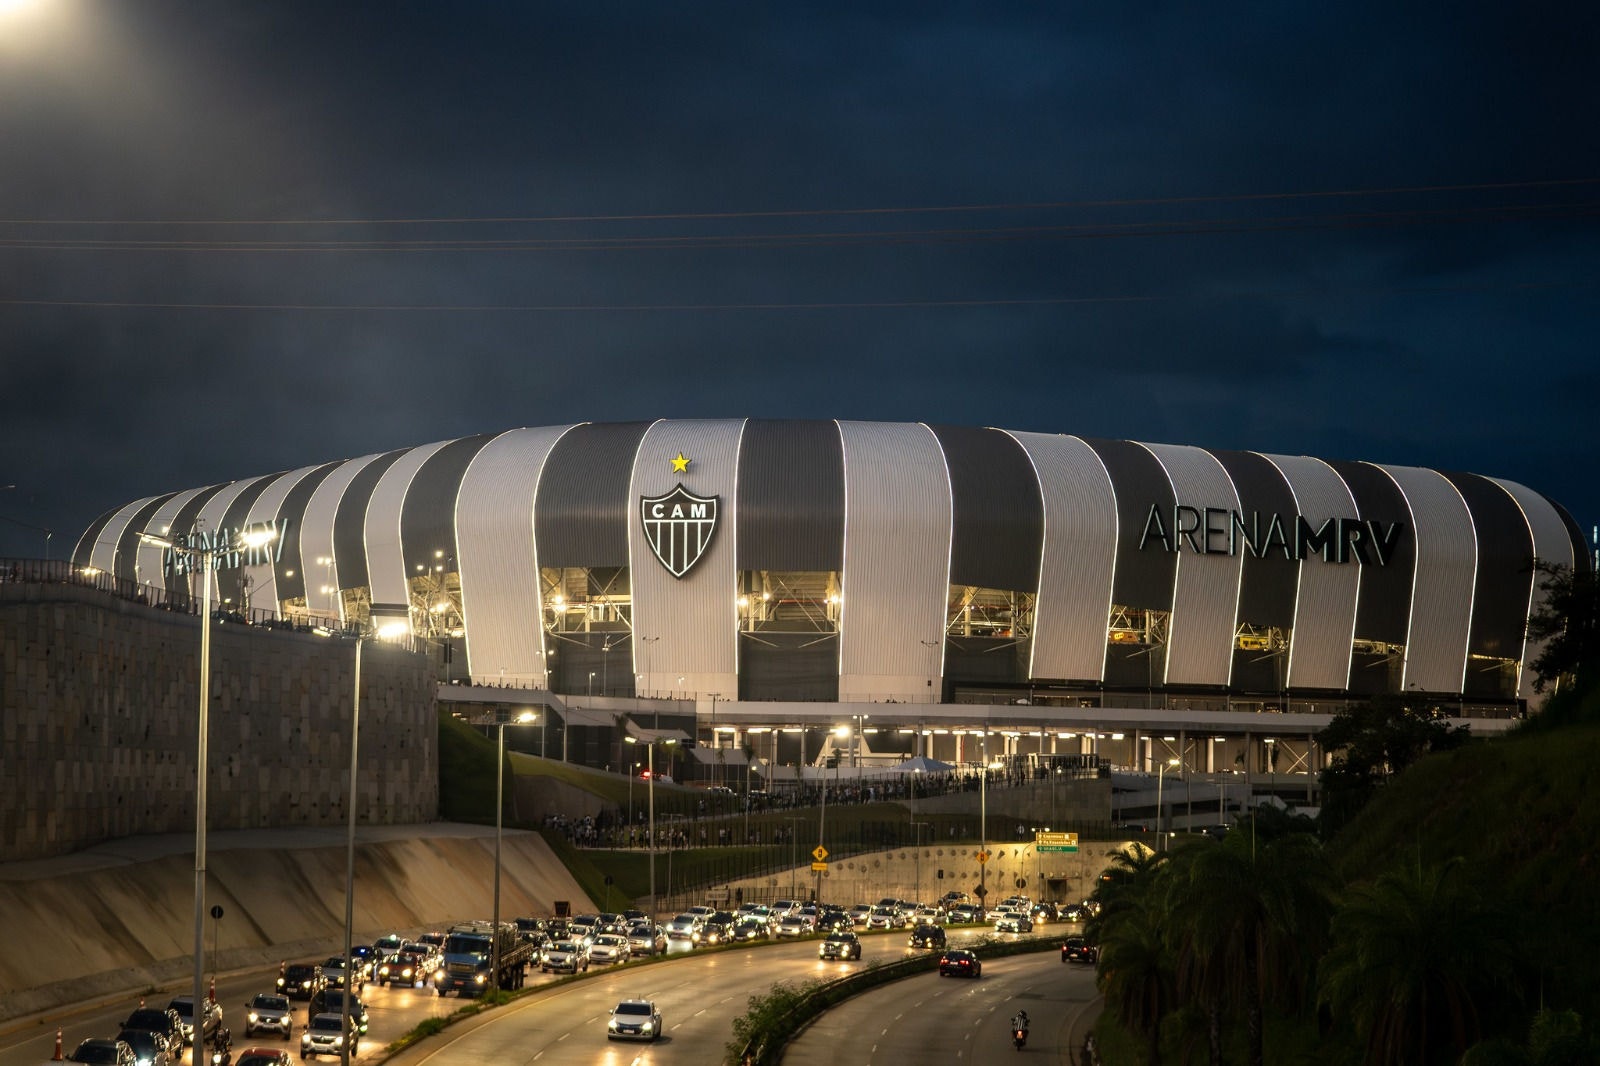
1044,840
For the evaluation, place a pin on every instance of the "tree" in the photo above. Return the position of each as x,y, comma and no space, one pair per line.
1245,915
1414,955
1567,624
1135,973
1371,742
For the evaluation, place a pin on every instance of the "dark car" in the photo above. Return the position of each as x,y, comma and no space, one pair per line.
750,928
959,963
100,1052
1078,949
149,1049
840,945
162,1022
325,1035
331,1001
210,1017
926,936
300,980
261,1056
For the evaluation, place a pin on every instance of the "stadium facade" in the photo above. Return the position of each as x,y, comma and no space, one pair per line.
863,562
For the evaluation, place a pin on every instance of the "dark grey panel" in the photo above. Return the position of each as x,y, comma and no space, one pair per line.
1504,580
235,517
1581,550
182,525
1268,584
1383,610
581,515
791,496
789,666
81,554
1143,578
986,661
294,510
350,521
428,515
128,542
997,536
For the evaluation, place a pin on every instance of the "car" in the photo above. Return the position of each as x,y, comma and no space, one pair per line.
261,1056
1073,912
647,939
717,928
926,935
1078,949
785,906
102,1052
325,1034
268,1012
332,970
1013,923
750,928
884,916
634,1019
792,925
959,963
408,967
564,956
684,927
840,945
300,980
149,1048
609,922
833,922
385,946
1043,912
160,1020
331,1001
953,897
608,948
210,1017
966,914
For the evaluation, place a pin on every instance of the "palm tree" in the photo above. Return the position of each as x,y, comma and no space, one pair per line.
1135,972
1245,915
1414,954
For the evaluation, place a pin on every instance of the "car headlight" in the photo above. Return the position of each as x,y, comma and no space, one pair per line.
305,1038
253,1018
648,1026
612,1024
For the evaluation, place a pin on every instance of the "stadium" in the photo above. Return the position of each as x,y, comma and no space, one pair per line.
931,578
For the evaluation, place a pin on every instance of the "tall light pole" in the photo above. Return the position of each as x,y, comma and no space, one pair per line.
207,554
499,823
1160,774
350,855
650,789
983,822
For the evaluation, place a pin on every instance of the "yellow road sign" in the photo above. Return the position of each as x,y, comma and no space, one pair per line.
982,857
819,853
820,867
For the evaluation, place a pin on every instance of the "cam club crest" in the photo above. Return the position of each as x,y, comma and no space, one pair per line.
678,527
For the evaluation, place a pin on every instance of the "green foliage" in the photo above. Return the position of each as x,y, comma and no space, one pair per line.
767,1014
466,772
1370,743
1568,623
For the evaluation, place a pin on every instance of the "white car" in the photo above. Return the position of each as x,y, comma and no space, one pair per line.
564,956
684,927
608,948
268,1013
792,925
634,1019
883,917
326,1036
1013,923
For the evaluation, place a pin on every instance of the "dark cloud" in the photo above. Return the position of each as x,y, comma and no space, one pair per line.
1167,295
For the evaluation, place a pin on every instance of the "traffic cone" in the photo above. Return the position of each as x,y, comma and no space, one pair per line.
212,995
57,1056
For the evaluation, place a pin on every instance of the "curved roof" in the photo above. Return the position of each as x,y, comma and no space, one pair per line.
1342,560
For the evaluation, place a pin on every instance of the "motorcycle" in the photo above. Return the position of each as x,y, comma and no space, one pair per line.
1019,1037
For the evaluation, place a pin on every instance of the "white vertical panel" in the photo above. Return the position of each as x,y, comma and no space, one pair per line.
148,567
498,558
1551,544
896,562
1205,595
316,538
1442,583
263,581
103,552
1073,608
1325,603
691,622
386,562
209,520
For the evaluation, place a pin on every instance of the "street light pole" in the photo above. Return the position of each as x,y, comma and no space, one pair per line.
208,558
1160,774
350,855
650,790
499,823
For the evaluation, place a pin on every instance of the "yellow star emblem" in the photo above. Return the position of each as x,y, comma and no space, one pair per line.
680,465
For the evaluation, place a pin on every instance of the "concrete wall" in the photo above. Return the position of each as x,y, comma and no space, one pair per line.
98,725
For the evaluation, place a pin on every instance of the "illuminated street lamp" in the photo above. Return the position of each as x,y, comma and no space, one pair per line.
499,816
1160,774
207,555
650,788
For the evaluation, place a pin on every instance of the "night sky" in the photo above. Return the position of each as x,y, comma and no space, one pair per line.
241,237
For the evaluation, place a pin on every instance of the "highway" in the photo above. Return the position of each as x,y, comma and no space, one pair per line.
698,994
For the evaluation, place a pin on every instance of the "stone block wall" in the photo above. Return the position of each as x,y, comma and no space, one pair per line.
99,709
